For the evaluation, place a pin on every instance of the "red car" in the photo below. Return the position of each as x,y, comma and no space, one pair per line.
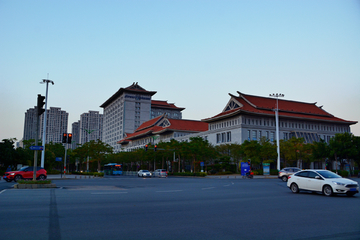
25,173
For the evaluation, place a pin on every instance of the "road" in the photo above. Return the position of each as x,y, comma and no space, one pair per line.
175,208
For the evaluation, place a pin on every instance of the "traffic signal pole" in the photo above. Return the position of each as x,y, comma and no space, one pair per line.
44,124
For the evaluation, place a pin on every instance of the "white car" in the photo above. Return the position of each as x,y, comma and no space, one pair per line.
144,173
323,181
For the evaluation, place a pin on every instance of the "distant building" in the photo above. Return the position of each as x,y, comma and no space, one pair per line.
57,121
75,130
130,107
245,117
30,124
162,129
159,108
90,127
248,117
57,124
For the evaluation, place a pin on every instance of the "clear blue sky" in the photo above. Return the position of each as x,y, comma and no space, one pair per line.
193,53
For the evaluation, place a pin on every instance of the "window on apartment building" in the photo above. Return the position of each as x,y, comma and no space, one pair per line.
248,133
260,135
218,139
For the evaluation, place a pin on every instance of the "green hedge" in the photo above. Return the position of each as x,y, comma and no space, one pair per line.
34,182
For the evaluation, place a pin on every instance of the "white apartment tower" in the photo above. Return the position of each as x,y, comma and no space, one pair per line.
124,112
57,121
90,127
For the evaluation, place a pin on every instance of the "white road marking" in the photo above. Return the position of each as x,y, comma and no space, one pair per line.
2,191
207,188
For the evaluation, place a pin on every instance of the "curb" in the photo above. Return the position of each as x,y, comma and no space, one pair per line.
34,186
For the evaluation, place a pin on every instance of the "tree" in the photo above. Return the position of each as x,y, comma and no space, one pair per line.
342,148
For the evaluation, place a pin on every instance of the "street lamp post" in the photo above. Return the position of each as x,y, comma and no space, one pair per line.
44,125
277,95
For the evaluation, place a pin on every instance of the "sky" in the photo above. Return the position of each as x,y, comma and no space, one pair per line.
192,53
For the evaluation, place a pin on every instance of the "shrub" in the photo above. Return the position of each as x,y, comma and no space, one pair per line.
274,172
342,173
34,182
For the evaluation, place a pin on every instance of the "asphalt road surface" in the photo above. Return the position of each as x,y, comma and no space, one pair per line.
175,208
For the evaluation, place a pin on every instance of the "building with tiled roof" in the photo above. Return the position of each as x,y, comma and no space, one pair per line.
158,108
248,117
130,107
160,129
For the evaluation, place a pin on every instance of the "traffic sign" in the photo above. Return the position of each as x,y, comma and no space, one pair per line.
36,148
58,159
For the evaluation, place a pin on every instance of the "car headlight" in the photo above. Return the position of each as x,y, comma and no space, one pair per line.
12,173
339,183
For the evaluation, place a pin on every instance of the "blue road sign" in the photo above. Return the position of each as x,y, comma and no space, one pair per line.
58,159
36,148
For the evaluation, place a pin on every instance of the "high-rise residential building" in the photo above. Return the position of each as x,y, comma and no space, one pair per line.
90,127
57,124
75,130
30,124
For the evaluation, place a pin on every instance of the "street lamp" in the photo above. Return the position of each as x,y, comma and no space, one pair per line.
47,81
277,95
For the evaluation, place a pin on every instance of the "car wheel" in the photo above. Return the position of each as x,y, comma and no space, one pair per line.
17,178
294,188
350,194
284,178
42,177
327,190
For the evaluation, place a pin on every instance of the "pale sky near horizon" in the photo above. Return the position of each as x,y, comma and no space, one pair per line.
193,53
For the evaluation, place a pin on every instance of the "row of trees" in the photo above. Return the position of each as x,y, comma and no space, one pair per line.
179,156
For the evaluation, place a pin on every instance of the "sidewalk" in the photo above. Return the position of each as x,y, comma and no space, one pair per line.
239,176
67,176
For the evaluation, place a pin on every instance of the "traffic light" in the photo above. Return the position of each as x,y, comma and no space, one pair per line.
146,147
155,147
40,104
64,140
69,137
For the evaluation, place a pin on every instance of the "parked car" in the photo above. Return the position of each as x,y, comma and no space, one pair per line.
323,181
160,173
286,172
144,173
25,173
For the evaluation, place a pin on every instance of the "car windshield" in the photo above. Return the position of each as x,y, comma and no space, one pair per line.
328,174
145,170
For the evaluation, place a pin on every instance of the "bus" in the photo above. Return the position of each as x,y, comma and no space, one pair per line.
113,169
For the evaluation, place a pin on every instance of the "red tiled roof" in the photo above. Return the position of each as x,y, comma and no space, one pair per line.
287,108
164,104
151,128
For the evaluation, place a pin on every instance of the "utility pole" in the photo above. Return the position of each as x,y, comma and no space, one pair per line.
44,125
